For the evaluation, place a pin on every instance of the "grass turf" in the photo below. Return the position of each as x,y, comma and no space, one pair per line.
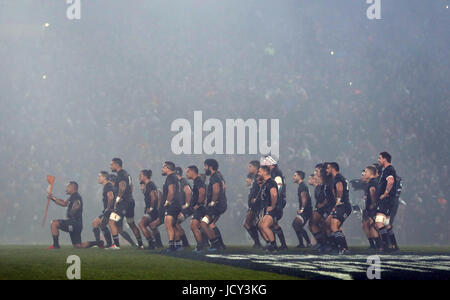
35,262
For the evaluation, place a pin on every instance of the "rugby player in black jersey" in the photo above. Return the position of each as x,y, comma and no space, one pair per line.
150,212
197,205
253,203
269,199
370,195
186,210
320,213
171,200
304,211
277,175
124,205
216,204
341,210
73,224
387,184
101,222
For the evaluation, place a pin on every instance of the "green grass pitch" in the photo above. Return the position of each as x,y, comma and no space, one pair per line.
36,262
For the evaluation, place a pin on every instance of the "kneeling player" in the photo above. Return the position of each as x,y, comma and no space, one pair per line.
304,212
269,198
73,224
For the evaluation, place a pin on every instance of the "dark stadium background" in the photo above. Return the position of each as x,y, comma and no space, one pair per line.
118,77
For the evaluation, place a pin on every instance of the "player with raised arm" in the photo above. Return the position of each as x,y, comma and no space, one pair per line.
73,224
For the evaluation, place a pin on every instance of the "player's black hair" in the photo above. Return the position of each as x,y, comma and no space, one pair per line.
170,165
300,174
211,162
147,173
193,168
334,165
372,169
319,166
118,161
179,171
386,156
378,167
74,184
112,177
104,174
265,168
255,163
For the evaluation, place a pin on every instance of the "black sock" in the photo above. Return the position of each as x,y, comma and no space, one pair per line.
55,241
320,238
218,235
340,240
384,238
391,237
151,242
139,241
158,239
280,234
306,237
205,240
299,234
116,240
107,236
177,244
378,242
96,231
215,242
185,241
332,241
172,245
253,232
372,243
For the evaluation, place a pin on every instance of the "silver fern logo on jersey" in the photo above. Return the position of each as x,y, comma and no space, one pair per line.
234,136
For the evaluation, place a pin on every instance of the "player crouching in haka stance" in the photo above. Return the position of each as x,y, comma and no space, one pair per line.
304,212
386,187
151,201
369,176
321,211
123,207
253,203
74,222
216,204
340,211
101,222
186,209
197,206
269,199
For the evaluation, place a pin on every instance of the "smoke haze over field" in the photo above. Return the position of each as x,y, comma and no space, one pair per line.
76,93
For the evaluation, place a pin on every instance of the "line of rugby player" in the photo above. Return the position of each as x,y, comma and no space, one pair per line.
267,198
